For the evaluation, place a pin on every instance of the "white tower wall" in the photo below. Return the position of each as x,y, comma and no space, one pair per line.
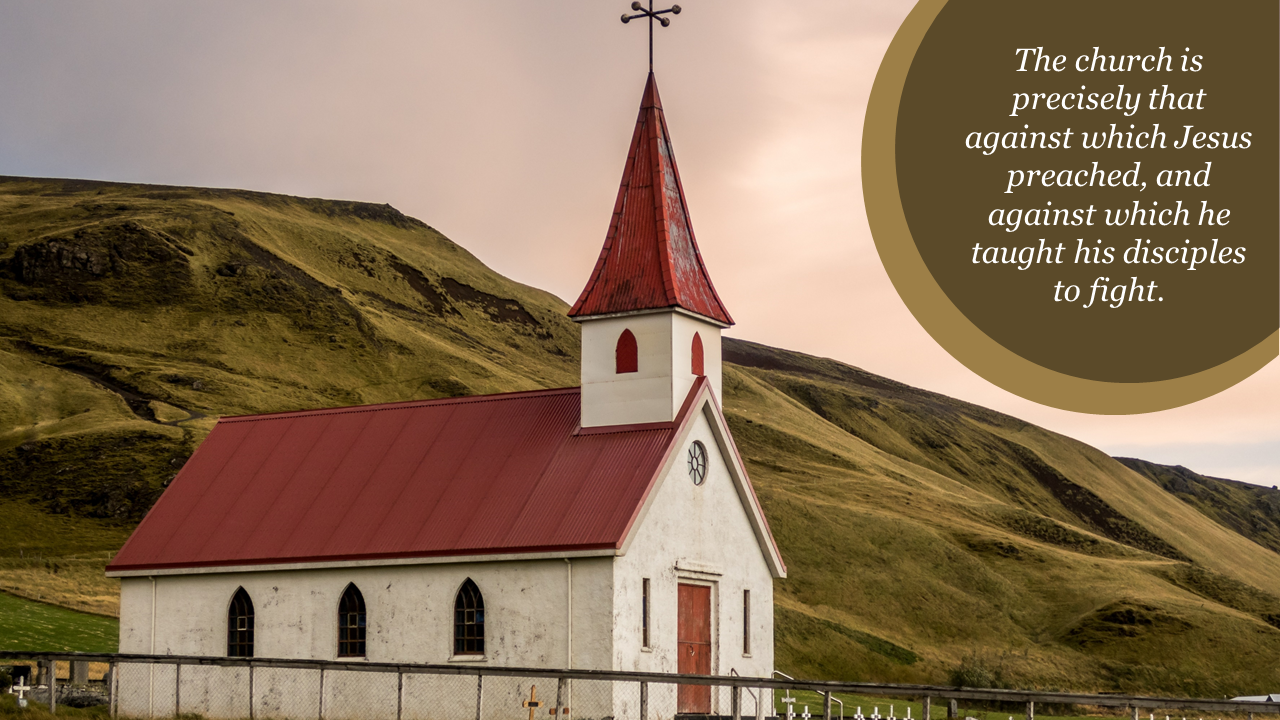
664,375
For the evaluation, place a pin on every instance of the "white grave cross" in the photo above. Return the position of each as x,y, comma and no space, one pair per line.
21,687
791,708
806,714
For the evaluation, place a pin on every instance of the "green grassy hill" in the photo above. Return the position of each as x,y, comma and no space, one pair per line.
919,530
1250,510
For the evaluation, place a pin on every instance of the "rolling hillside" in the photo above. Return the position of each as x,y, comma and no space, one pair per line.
919,530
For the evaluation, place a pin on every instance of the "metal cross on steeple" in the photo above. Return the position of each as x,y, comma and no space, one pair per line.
652,15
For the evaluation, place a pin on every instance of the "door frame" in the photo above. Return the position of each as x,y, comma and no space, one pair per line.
684,577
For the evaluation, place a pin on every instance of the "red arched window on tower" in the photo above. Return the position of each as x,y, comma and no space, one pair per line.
626,354
697,356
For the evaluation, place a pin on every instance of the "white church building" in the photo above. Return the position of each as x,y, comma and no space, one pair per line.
608,527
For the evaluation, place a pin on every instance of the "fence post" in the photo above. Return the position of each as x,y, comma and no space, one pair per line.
559,712
52,667
760,702
644,700
735,702
1135,713
1031,710
113,671
320,712
177,689
826,706
925,708
479,694
399,693
251,691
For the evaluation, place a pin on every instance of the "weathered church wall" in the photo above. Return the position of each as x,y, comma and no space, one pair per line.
697,534
409,612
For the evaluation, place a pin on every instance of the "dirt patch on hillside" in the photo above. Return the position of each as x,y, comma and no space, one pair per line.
1091,509
139,401
433,298
1123,620
500,309
114,263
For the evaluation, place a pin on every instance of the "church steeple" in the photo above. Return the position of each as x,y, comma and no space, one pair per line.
650,258
651,319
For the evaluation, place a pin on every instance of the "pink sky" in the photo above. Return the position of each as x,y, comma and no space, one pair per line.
505,125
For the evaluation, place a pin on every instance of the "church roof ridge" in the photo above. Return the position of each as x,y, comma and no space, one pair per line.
399,405
650,258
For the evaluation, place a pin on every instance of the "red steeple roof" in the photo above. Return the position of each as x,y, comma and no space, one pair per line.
650,259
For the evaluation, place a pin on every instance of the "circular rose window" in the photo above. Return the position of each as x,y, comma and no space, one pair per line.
697,462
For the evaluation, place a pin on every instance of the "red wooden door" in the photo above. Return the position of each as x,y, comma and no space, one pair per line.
693,644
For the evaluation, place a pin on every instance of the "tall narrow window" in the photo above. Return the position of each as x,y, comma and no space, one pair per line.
626,354
468,621
697,356
746,622
240,625
644,613
351,623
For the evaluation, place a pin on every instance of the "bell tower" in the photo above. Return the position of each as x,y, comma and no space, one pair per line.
651,319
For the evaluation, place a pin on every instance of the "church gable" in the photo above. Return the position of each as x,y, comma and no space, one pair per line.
702,452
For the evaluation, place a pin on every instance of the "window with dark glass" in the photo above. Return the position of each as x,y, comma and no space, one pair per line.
240,625
468,621
351,623
644,613
746,622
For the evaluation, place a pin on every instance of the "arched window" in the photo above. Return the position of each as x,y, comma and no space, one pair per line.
351,623
240,625
626,354
697,356
468,621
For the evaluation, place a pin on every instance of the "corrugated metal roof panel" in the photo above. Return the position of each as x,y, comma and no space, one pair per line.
490,474
650,258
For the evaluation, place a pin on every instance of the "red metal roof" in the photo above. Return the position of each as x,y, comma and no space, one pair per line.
480,475
650,259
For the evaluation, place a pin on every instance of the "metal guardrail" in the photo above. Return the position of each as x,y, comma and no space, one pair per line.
926,692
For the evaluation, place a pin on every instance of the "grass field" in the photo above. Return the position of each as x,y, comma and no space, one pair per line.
59,559
35,626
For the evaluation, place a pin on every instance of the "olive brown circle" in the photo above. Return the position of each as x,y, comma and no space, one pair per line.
1084,213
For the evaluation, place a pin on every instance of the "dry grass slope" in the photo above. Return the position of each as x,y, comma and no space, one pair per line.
918,529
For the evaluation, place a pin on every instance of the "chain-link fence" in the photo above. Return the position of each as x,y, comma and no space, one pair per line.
159,686
266,691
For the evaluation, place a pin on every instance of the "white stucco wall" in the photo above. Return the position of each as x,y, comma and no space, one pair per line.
656,391
409,611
